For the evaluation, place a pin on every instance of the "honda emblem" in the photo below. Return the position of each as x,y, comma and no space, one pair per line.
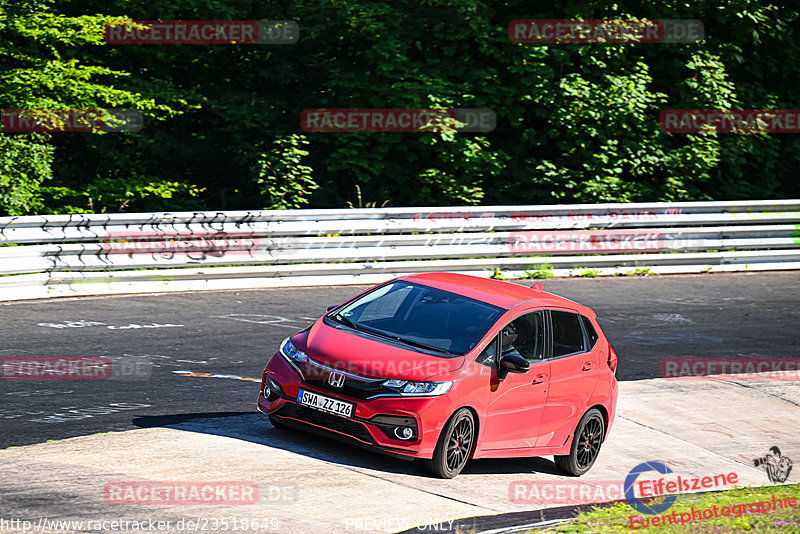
336,379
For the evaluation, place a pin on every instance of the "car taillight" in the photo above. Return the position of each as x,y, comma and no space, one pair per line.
612,359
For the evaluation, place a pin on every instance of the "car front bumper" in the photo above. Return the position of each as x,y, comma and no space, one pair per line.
374,422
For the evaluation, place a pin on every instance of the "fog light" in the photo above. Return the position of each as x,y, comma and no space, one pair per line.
272,389
403,432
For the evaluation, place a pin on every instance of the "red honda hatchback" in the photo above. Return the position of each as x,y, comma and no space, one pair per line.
446,367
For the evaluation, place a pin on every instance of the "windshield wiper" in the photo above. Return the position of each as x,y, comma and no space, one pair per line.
422,345
347,322
361,328
386,335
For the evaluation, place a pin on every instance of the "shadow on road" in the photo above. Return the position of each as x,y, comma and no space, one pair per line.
255,428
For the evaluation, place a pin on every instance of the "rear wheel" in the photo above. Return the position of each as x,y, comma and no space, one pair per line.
454,445
585,444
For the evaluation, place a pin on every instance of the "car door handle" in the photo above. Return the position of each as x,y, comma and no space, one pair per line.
541,377
587,366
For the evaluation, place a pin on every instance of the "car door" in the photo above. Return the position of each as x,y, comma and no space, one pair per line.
574,373
516,402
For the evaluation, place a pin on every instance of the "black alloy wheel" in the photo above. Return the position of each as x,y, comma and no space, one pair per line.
454,446
585,444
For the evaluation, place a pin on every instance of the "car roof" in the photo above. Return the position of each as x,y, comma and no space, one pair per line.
499,293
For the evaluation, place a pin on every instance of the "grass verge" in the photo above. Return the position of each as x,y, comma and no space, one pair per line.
617,517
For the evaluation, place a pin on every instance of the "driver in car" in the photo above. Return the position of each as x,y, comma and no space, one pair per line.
508,339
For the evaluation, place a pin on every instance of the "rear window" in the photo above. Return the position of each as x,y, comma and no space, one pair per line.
567,333
590,331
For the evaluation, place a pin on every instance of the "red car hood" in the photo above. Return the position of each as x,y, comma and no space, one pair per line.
347,351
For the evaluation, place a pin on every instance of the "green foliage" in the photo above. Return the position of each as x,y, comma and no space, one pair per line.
498,274
538,272
42,50
24,164
575,122
373,204
638,271
616,517
119,194
283,180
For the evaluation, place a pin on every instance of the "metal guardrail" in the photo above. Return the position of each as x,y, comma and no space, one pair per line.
64,255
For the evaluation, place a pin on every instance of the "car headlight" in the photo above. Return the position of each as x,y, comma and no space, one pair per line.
418,389
292,353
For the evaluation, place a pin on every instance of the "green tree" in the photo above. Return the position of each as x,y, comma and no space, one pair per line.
575,122
39,51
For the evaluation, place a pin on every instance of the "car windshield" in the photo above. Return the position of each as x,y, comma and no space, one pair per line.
421,317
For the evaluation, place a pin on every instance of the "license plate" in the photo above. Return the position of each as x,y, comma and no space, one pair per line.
326,404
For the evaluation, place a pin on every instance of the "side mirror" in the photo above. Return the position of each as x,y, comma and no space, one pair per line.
512,363
334,306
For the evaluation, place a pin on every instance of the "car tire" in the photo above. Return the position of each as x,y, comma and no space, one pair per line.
585,444
277,424
454,446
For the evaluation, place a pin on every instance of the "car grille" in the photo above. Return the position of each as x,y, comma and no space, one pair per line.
354,386
325,420
355,389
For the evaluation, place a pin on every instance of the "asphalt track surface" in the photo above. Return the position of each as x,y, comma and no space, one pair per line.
231,334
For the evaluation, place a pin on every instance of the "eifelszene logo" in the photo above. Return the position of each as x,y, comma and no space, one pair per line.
668,488
638,504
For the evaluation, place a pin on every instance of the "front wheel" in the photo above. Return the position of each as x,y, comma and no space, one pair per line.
585,444
454,446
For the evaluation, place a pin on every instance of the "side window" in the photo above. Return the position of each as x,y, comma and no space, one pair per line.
489,355
590,331
525,335
567,333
